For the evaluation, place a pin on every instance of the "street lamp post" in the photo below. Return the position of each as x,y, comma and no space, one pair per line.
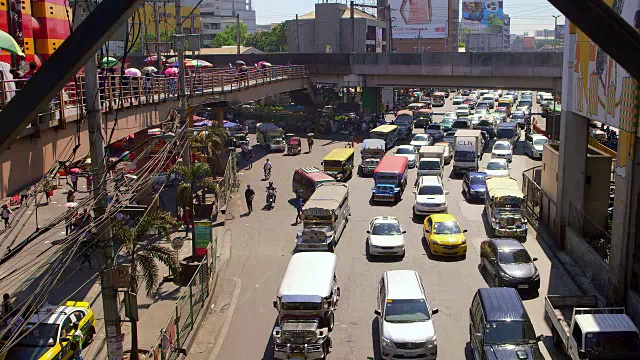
555,31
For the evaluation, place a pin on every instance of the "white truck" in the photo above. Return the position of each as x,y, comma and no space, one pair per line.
467,147
585,331
431,161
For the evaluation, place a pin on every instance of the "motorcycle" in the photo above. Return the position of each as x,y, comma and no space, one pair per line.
271,198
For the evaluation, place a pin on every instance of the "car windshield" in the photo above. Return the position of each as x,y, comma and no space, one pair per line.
540,141
446,228
447,121
501,146
494,165
509,333
460,124
39,335
434,127
477,180
429,165
421,137
483,105
485,123
613,342
386,229
406,311
405,151
516,256
431,190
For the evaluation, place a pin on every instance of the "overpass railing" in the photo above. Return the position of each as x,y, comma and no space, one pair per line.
116,92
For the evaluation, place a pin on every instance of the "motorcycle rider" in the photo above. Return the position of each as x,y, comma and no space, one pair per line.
271,190
267,169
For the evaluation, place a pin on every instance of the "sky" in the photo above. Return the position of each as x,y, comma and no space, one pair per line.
526,15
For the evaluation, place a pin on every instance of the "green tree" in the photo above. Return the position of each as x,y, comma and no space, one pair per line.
274,40
228,36
144,258
211,143
138,48
461,44
494,23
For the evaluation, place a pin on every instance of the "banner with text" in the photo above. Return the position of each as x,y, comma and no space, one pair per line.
482,16
419,19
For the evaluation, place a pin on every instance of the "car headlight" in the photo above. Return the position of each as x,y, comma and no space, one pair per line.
386,342
433,342
504,275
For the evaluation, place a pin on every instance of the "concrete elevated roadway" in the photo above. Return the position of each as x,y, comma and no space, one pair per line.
527,70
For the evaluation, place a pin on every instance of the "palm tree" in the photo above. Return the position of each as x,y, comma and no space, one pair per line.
212,141
144,257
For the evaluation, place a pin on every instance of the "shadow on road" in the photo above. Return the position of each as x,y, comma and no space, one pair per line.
268,349
375,338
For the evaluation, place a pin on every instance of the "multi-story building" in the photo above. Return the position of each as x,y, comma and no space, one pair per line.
217,15
329,30
489,40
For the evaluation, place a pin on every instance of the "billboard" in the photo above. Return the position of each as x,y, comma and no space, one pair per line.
559,32
482,16
419,19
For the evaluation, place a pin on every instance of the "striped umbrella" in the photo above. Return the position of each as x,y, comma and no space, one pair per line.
153,59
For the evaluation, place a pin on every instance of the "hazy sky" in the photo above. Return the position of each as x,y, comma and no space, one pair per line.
526,15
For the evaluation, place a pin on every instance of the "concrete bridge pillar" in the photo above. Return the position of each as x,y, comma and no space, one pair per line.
218,114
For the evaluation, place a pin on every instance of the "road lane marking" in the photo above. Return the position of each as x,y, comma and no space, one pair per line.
227,320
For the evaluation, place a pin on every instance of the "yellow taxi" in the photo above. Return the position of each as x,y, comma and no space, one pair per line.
48,332
444,236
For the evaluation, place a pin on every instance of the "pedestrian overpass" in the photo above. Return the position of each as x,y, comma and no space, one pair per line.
135,104
525,70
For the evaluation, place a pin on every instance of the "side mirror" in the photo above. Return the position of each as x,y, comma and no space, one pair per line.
427,231
415,191
540,337
404,231
434,311
464,231
377,312
321,162
368,232
275,304
446,192
534,259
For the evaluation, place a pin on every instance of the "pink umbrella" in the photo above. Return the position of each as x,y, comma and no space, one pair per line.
133,72
171,71
75,171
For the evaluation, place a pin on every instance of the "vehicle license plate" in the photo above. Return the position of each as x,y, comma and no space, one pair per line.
450,251
523,286
388,253
296,356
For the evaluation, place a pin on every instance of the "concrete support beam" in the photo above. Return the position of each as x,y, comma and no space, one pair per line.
572,168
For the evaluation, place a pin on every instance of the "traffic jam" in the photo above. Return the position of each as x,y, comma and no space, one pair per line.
443,151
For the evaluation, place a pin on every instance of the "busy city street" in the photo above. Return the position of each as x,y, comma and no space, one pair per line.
264,240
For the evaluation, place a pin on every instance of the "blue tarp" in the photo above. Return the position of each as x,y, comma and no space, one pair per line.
230,124
202,123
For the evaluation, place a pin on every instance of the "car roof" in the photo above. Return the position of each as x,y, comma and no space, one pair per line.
52,314
507,244
478,174
309,273
502,141
498,160
537,136
443,218
405,146
507,125
403,284
429,179
502,304
385,219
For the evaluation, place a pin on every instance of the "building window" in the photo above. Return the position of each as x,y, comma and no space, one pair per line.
384,34
215,26
206,26
371,32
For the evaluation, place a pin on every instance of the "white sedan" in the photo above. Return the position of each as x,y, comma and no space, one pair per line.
457,100
420,140
502,150
386,236
409,152
497,167
463,111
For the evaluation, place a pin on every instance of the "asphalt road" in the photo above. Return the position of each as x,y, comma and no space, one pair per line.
262,243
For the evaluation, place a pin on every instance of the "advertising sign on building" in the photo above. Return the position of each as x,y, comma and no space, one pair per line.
379,40
387,96
559,32
203,236
482,16
419,19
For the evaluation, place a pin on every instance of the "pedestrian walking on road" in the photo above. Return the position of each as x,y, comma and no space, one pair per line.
6,212
74,182
250,157
310,142
249,194
299,203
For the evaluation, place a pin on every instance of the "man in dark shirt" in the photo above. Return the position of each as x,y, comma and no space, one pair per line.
249,195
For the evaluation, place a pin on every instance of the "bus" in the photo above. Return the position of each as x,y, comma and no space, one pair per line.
388,133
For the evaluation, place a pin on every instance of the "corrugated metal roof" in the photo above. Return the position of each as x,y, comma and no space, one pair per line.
500,186
309,273
327,196
605,323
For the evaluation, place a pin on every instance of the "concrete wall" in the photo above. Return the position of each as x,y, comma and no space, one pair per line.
589,261
549,177
596,188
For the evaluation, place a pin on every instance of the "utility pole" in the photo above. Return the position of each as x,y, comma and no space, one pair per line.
390,30
555,32
353,28
179,48
156,15
106,253
238,33
419,42
297,35
193,22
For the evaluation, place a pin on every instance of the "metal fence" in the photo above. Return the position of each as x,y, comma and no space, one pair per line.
592,233
188,306
539,208
230,183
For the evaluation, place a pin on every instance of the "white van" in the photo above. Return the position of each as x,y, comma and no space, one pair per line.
430,196
405,317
